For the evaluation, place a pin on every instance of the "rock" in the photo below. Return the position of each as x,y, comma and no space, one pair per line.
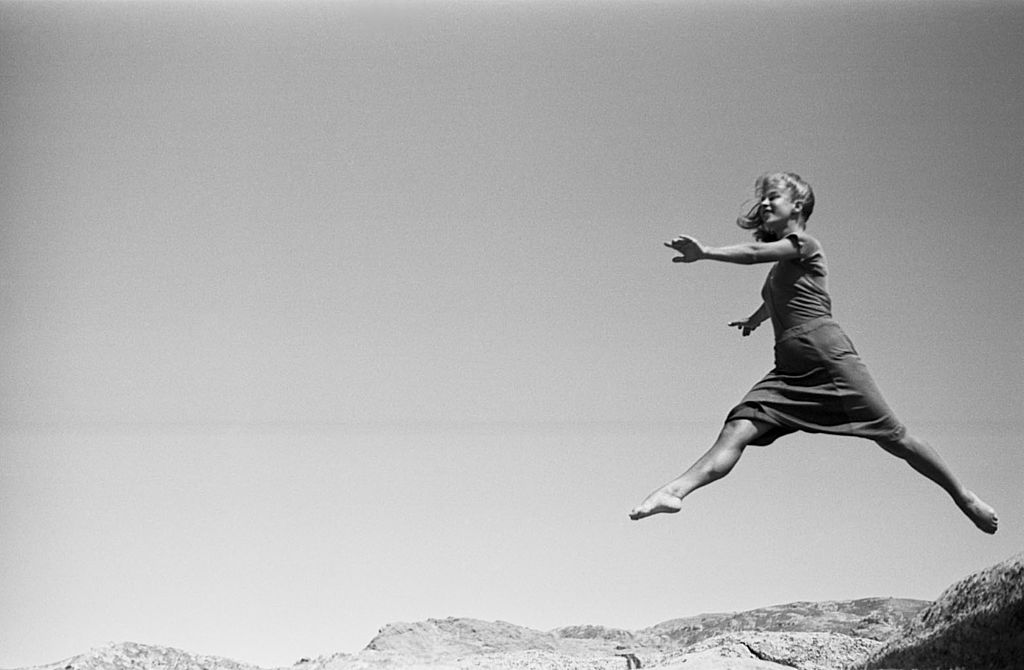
798,635
454,637
132,656
719,658
872,618
590,632
801,650
977,623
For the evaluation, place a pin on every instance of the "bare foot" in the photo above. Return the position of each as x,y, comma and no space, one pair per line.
659,502
980,512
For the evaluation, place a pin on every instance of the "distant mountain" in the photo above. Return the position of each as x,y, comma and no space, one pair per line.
977,623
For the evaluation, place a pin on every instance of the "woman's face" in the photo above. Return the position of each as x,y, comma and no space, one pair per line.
777,208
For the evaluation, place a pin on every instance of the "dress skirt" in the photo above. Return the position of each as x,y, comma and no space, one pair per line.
819,385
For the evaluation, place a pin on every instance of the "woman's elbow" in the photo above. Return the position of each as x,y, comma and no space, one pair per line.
750,257
758,254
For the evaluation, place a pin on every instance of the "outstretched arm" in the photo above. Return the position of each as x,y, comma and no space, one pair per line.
691,250
753,321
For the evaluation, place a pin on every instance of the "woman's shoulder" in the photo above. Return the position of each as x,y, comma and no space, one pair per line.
812,257
807,245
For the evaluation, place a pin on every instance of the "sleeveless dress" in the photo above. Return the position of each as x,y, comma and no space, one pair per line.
819,383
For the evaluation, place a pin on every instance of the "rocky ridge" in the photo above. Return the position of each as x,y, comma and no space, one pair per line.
803,635
132,656
977,623
807,636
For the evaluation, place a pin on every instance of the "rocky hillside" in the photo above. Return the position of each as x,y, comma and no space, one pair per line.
976,623
130,656
871,618
807,636
452,638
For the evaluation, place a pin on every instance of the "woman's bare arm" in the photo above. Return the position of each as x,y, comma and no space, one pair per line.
691,250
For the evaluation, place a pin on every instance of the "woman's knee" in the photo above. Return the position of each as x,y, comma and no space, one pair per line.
900,447
739,432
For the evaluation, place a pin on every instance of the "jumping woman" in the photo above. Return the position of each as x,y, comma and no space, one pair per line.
819,383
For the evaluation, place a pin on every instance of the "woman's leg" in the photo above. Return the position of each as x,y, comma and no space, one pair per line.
713,465
925,460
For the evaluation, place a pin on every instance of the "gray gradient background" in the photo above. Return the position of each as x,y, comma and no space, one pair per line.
321,316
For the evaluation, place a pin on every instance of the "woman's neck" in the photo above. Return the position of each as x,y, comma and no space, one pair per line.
792,226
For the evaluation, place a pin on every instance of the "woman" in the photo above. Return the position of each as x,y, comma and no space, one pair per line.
819,384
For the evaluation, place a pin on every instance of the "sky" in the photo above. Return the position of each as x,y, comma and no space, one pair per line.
321,316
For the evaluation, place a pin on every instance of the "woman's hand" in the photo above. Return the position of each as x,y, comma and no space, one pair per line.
746,325
689,249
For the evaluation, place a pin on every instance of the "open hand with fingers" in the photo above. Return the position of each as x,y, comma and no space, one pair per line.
689,249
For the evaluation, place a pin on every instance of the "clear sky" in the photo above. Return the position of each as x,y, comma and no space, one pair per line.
320,316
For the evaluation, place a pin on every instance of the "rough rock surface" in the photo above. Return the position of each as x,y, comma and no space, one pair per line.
976,623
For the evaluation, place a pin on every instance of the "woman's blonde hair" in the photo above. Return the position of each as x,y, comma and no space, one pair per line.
797,188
